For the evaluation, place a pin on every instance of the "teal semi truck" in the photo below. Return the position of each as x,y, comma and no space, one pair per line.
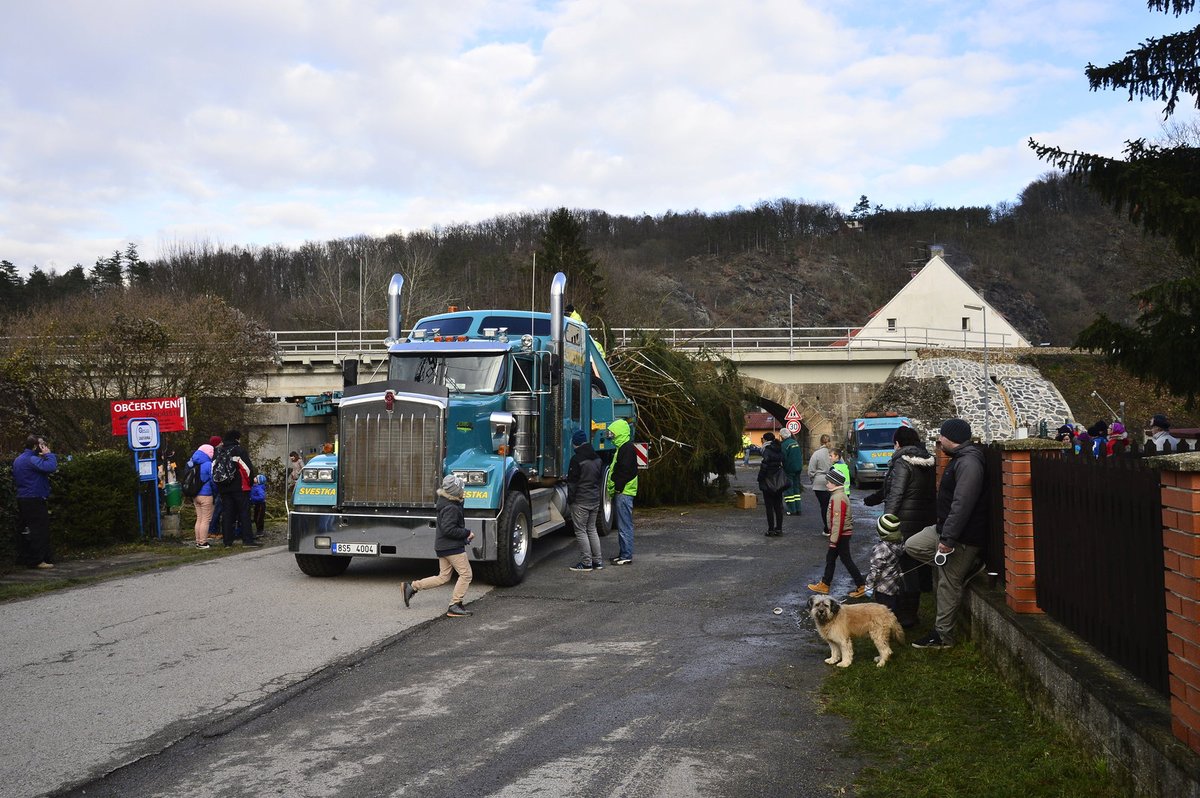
871,446
490,395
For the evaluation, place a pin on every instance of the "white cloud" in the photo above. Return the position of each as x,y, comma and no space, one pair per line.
265,122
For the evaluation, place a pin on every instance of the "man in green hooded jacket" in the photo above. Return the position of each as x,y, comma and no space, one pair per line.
622,487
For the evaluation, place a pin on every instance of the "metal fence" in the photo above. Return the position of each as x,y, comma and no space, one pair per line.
1099,554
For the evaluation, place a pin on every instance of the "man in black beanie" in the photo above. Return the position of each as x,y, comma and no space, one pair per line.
956,541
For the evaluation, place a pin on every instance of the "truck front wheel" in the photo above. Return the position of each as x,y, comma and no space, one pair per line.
604,516
514,539
322,565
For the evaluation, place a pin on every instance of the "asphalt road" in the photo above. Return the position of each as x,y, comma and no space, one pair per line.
668,677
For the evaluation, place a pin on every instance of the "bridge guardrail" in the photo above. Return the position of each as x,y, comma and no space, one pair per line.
344,343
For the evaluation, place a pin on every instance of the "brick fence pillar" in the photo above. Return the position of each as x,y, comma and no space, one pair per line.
1020,583
1179,476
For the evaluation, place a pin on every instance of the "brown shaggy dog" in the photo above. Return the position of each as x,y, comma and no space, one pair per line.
839,624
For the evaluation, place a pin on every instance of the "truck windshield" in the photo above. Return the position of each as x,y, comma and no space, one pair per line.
458,373
877,438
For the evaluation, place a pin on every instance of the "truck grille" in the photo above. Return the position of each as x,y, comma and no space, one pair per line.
390,459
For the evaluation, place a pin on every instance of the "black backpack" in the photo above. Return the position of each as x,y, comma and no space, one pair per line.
191,483
224,470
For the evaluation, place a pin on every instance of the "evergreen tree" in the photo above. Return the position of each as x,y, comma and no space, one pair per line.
862,208
11,284
563,250
1158,188
137,269
109,272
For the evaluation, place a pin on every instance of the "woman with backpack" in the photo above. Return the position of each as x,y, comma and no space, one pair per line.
200,469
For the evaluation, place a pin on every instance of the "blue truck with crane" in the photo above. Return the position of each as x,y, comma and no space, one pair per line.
490,395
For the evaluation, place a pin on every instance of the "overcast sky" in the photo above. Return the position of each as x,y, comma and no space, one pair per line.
245,122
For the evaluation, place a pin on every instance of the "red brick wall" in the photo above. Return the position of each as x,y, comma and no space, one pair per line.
1019,583
1181,559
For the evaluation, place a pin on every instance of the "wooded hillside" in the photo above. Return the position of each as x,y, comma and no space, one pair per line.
1050,262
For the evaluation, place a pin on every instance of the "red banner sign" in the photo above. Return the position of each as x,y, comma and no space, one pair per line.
171,413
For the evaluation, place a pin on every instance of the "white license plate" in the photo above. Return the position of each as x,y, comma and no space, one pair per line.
355,548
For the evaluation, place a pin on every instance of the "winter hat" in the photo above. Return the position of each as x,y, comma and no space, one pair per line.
214,441
835,476
578,438
207,449
956,430
1160,421
452,486
1117,428
889,528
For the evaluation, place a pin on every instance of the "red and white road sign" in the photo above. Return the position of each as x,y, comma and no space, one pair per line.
793,427
643,454
792,415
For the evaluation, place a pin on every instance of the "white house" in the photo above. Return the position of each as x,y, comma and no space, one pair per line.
937,308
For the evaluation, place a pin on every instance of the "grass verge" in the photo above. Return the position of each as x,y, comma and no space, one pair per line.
944,723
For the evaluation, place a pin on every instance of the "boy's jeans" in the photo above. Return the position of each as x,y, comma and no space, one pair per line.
623,512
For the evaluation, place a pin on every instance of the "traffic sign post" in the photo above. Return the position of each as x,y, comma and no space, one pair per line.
142,434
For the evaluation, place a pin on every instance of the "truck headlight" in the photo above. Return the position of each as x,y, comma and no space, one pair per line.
472,477
319,474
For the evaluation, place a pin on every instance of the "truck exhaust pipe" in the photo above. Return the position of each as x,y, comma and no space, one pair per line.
558,287
395,289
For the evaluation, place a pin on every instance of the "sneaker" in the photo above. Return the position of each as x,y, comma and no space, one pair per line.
932,640
44,566
597,565
203,545
408,590
457,611
819,587
622,560
581,566
253,544
858,592
825,533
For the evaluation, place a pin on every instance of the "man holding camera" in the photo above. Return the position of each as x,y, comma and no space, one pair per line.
31,473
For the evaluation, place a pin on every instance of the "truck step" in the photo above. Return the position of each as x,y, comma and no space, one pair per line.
542,530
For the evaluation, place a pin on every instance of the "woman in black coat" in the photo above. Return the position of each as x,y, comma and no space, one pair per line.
771,465
909,492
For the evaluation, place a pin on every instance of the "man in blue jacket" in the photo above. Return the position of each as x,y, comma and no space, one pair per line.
31,473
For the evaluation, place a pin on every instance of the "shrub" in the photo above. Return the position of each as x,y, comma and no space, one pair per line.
93,500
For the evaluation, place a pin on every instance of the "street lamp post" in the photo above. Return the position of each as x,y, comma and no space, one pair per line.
987,379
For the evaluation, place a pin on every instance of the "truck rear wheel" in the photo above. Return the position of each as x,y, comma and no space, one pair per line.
322,565
514,540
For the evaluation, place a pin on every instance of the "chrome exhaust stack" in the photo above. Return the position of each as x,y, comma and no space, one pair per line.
395,289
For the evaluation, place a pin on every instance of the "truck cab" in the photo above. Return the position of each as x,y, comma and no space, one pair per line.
490,395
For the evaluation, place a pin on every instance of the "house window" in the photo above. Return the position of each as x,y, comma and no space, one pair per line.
891,325
966,322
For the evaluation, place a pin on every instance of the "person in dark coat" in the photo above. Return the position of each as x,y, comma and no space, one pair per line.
235,494
31,474
450,545
909,494
956,541
772,463
584,477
